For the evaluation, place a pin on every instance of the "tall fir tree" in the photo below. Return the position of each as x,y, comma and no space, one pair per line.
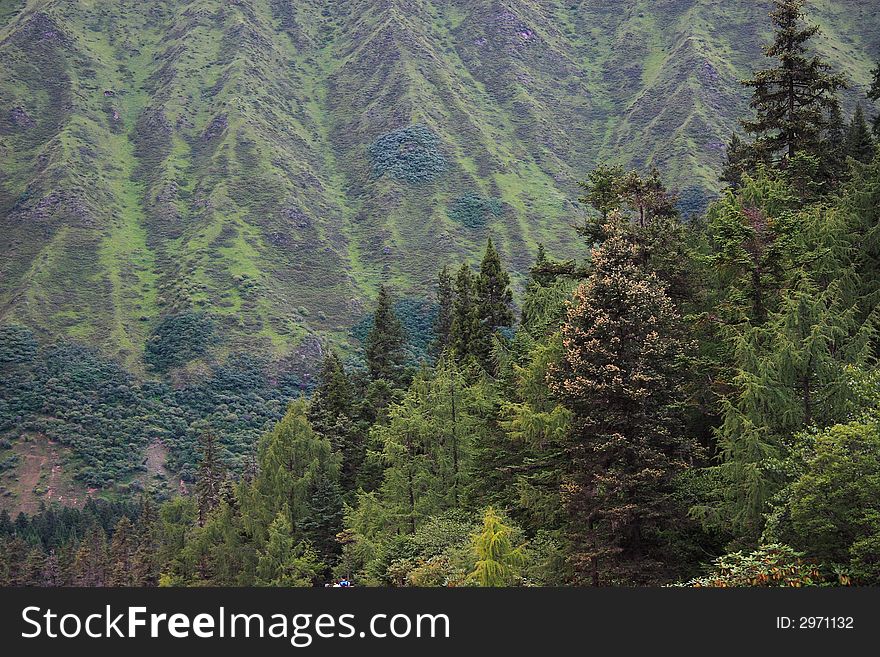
620,375
792,98
493,301
466,319
210,476
735,161
122,549
445,312
859,145
874,94
386,358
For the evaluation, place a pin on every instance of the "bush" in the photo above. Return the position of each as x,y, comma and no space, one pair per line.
177,340
473,211
411,154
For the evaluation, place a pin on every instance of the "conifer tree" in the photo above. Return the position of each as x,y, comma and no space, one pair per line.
735,161
791,373
385,343
859,144
146,562
285,562
34,566
210,476
52,575
493,300
122,548
498,560
465,320
90,564
874,94
620,376
445,313
791,99
295,463
833,160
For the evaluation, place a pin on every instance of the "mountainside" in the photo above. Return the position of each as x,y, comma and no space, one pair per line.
270,162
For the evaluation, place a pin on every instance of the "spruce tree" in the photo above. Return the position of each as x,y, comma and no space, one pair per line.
385,343
620,376
445,312
859,145
465,320
90,564
791,99
874,94
122,548
284,561
210,476
493,300
833,162
735,161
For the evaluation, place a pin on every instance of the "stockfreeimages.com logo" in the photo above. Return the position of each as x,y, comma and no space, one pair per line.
300,629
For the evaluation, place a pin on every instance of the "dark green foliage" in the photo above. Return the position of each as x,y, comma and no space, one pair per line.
418,317
178,339
17,344
620,375
858,144
791,99
474,211
445,305
384,346
874,94
410,154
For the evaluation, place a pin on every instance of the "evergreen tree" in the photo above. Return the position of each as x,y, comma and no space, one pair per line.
834,165
791,99
146,562
285,562
122,548
497,559
210,476
90,564
52,575
735,161
466,319
34,567
385,343
445,313
791,372
331,414
620,375
493,300
859,144
295,463
874,94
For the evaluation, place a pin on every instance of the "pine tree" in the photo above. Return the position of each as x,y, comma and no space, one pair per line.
385,343
497,559
493,300
620,376
210,476
146,559
791,373
52,575
859,145
294,463
735,161
874,94
331,414
465,320
122,548
791,99
833,161
34,567
90,563
284,561
445,313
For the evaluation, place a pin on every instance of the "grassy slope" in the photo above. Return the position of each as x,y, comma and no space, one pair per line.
213,155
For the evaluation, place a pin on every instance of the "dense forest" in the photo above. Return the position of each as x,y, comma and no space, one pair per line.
693,401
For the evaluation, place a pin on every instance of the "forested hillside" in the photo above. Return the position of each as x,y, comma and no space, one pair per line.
271,162
634,390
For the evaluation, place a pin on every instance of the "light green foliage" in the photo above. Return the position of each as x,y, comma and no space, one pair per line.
285,563
498,560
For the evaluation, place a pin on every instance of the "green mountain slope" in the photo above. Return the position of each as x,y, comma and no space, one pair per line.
270,162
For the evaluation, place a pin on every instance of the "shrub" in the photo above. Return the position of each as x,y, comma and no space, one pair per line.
411,154
473,211
177,340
